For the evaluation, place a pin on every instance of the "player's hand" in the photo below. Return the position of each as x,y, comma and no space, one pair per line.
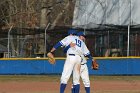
72,44
95,65
51,58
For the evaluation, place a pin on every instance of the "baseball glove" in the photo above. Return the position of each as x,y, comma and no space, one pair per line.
51,58
95,65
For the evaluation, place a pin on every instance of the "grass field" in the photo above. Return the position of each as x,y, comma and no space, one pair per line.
7,78
50,84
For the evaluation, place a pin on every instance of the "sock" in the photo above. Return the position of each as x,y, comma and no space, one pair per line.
87,89
76,88
62,88
72,90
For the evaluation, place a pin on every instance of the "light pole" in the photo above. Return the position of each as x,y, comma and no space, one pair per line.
128,40
45,39
9,41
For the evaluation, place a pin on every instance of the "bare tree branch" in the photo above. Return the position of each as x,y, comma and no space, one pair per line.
59,15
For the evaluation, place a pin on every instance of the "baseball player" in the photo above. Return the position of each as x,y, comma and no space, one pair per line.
73,60
84,69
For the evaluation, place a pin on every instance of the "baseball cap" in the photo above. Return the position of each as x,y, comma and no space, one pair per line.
71,31
80,34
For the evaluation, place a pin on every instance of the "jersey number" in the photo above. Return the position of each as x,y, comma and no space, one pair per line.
78,43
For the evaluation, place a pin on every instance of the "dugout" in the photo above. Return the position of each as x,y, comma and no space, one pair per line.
3,51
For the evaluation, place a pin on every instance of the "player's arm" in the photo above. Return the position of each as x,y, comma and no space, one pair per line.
67,47
87,53
94,64
89,56
57,45
63,42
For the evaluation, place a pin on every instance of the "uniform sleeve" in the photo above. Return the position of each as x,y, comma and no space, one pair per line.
64,41
66,49
87,53
85,50
57,45
67,40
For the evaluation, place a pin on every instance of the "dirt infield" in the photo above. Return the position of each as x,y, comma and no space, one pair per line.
52,86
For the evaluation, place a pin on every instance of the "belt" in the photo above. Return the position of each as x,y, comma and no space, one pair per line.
83,64
72,54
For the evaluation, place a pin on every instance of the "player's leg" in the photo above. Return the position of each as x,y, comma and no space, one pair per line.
72,89
76,74
67,70
85,77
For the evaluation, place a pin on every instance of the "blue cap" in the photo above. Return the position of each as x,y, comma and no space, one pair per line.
72,31
80,34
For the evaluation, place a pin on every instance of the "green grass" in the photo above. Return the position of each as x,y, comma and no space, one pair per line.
4,78
53,78
115,78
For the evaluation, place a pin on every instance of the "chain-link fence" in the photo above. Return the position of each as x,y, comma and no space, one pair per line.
100,43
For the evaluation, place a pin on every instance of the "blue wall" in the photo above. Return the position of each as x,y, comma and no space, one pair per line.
118,66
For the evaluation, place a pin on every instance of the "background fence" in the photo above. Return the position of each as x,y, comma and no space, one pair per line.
101,43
